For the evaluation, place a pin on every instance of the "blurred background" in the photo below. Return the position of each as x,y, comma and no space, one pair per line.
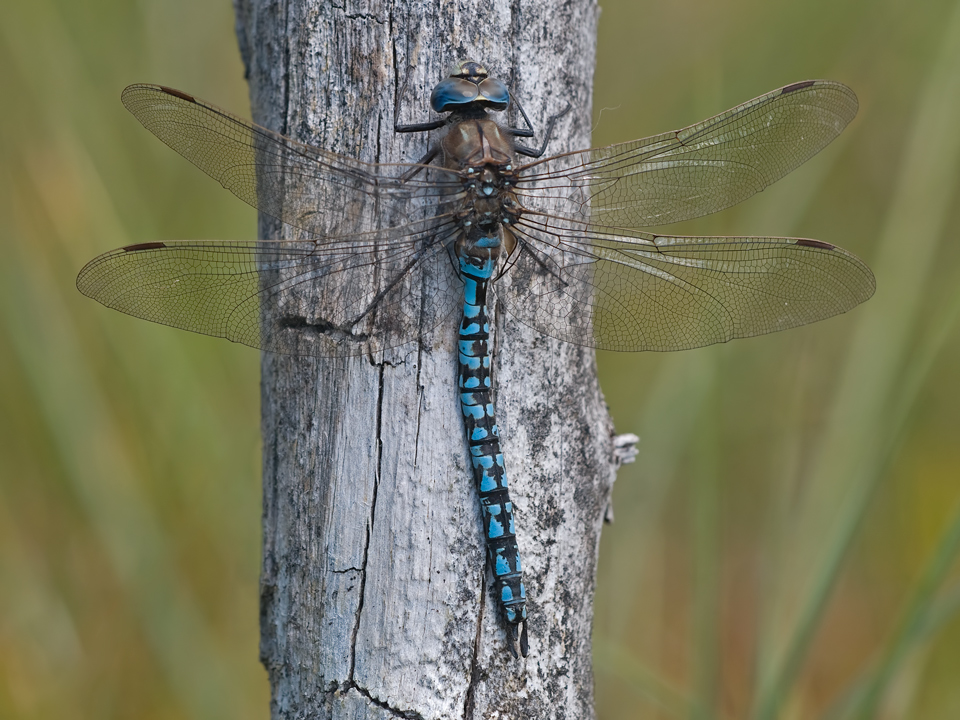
784,545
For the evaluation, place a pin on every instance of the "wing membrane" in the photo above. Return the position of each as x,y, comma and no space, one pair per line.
322,192
581,274
638,291
698,170
348,297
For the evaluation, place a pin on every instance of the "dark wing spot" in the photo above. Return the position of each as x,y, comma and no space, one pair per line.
816,244
177,93
143,246
798,86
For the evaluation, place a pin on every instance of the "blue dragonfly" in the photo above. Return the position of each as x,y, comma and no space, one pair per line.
384,250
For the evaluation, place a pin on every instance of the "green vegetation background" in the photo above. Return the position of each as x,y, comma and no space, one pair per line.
784,545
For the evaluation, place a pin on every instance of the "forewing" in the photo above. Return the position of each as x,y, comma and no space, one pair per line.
348,297
321,192
639,291
698,170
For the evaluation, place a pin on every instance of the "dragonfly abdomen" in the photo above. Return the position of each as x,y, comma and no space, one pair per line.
483,438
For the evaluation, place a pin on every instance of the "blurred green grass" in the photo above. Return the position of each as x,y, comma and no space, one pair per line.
785,543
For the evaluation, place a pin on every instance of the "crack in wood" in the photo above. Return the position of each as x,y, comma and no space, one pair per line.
405,714
373,512
470,700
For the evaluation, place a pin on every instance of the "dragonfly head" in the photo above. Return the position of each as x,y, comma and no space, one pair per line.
468,70
469,84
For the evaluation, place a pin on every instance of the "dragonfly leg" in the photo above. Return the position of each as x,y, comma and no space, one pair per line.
425,160
412,128
419,127
415,127
520,132
538,152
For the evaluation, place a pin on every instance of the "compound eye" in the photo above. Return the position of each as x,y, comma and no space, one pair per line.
496,93
452,92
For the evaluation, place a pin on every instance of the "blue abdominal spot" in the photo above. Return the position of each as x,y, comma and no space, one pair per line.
494,527
468,348
488,483
479,459
470,362
469,291
472,411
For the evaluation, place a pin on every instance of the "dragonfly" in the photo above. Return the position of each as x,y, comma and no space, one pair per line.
382,254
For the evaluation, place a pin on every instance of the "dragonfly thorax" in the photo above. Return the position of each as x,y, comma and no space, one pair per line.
483,156
474,142
488,207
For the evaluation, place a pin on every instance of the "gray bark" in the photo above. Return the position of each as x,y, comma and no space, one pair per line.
374,595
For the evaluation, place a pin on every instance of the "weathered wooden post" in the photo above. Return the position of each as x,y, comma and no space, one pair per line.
374,594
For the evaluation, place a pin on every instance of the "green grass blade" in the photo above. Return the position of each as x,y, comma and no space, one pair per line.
611,659
858,441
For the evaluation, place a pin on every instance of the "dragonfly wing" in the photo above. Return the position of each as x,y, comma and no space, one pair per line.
349,297
699,170
322,192
629,290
